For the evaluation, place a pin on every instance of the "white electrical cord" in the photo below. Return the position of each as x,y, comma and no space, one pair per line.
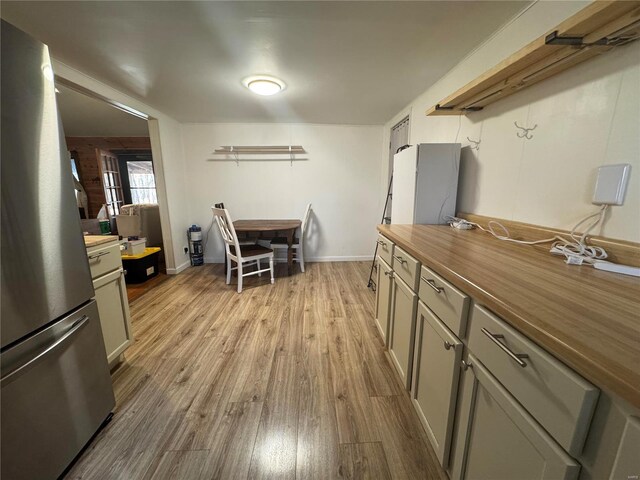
574,248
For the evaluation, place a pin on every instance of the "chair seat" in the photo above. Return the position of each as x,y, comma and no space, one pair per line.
283,241
250,250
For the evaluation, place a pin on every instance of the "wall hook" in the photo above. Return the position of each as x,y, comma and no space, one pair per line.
476,144
525,131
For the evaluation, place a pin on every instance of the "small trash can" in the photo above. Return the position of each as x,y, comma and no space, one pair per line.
140,268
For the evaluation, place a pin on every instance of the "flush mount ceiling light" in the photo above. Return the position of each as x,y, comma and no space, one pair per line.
264,85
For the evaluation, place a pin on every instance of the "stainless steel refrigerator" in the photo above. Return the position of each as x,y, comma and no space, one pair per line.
56,389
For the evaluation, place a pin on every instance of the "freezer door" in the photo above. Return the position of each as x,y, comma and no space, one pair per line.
55,393
404,186
45,272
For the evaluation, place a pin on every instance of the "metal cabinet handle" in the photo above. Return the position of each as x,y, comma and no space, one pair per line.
98,255
400,259
516,357
77,325
432,284
389,274
465,365
447,345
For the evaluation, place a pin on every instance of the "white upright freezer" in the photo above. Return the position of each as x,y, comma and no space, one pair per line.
425,183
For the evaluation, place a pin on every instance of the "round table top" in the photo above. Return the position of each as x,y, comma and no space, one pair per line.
265,225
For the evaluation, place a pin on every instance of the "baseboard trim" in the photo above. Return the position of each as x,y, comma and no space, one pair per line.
360,258
357,258
180,268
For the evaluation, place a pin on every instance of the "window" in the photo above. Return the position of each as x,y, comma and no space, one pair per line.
74,168
142,182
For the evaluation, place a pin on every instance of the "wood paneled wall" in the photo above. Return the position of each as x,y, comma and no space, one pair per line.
87,162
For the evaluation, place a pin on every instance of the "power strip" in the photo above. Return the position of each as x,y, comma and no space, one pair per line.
615,268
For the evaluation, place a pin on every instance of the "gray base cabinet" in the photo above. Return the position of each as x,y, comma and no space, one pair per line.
437,355
627,463
384,283
107,273
403,329
111,295
499,440
511,410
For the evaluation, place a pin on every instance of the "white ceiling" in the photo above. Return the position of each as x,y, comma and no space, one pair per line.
343,62
83,116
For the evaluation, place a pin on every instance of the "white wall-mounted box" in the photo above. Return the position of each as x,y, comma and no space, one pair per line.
611,184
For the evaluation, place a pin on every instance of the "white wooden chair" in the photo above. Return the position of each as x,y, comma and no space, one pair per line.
241,241
280,243
240,254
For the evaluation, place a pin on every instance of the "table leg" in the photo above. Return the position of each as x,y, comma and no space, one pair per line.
290,234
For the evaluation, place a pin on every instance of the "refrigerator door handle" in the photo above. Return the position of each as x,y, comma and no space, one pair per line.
17,372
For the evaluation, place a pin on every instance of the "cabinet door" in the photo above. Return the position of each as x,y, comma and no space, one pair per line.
403,326
627,464
435,379
113,306
498,440
383,298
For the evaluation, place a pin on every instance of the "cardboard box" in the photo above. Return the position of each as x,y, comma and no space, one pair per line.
134,247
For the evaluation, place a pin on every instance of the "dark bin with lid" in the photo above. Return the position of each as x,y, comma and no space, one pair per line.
142,267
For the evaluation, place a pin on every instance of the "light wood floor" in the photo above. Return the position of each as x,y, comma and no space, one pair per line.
281,381
136,290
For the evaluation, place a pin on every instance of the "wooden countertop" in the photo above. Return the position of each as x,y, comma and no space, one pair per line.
589,319
93,240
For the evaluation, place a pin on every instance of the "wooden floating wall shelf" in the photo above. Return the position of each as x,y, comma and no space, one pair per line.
596,29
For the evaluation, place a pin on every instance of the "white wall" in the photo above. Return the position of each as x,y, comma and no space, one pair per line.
166,141
341,178
586,117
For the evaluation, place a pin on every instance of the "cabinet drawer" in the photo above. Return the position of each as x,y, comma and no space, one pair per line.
104,259
385,249
445,300
557,397
406,267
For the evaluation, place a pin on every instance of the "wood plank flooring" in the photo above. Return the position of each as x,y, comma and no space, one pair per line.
136,290
282,381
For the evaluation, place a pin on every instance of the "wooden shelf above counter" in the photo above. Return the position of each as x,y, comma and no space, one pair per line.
596,29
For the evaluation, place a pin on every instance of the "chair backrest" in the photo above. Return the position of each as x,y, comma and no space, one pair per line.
305,220
228,233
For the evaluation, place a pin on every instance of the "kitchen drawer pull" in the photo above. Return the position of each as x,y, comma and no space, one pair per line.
447,345
516,357
98,255
432,284
389,274
465,365
400,259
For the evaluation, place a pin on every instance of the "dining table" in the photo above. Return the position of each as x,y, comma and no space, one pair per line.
268,228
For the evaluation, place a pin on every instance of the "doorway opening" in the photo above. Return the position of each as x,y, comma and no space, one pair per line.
112,162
